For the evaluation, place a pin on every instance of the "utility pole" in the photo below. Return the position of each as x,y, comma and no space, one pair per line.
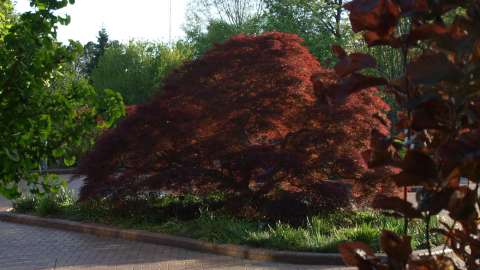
170,25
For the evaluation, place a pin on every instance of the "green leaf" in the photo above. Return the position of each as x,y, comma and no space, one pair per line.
69,162
45,125
58,153
41,6
9,192
12,155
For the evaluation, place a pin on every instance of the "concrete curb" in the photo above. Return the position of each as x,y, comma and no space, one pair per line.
256,254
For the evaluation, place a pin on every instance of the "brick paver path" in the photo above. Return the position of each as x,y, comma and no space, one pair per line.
28,247
5,204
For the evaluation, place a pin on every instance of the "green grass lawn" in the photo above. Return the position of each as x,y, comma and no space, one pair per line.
319,233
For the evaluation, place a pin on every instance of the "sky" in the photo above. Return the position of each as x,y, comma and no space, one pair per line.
123,19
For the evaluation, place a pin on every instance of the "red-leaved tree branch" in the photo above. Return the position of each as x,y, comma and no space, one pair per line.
438,140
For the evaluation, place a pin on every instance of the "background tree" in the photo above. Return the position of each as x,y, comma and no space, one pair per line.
233,12
320,15
40,120
214,21
217,32
92,52
319,22
136,70
6,16
168,58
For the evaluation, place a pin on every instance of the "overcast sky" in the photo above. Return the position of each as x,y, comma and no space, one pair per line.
123,19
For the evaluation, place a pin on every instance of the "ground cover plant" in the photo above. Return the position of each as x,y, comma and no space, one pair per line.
191,216
254,118
437,143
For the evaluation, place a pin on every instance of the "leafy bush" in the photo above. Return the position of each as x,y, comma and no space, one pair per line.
254,118
55,203
38,120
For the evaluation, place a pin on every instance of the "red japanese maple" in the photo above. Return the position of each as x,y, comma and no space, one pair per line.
254,116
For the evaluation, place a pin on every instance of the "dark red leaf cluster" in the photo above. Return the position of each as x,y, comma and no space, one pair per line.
437,144
254,116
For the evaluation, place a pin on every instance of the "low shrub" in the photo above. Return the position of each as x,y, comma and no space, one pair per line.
49,204
25,204
288,208
92,211
162,207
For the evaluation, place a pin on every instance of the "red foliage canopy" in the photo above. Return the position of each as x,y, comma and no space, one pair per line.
255,115
436,144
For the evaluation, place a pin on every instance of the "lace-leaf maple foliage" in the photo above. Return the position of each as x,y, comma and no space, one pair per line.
255,116
438,140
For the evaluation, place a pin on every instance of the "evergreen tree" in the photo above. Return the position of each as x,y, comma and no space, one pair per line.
93,51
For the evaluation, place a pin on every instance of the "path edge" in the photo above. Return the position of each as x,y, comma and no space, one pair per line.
243,252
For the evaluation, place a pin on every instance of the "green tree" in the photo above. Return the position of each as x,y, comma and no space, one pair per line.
6,16
320,22
137,69
40,120
92,52
167,58
233,12
214,21
307,15
219,31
